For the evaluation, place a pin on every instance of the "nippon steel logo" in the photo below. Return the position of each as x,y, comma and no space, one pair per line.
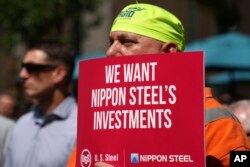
134,158
85,158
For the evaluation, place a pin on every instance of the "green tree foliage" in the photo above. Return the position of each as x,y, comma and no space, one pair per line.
23,22
27,21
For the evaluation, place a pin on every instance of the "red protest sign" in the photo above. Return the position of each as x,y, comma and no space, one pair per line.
142,111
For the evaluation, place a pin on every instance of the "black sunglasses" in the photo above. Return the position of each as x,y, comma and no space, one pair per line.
31,67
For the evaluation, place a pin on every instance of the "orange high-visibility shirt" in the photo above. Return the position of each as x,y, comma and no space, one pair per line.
222,135
72,159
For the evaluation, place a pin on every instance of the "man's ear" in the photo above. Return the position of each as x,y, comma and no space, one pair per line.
59,74
169,47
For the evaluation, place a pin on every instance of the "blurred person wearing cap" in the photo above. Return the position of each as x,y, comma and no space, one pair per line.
147,29
241,109
45,136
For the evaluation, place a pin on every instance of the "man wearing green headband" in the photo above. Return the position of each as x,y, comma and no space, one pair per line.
148,29
151,22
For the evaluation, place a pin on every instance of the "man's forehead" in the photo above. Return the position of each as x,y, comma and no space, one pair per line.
124,34
35,55
119,35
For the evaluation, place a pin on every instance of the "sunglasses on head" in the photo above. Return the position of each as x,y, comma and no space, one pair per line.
31,67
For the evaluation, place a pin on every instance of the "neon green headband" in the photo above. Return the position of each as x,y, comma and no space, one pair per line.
151,21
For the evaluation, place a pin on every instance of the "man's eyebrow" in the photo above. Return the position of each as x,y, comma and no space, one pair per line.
122,36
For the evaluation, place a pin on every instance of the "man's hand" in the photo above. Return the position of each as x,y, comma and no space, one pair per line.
102,164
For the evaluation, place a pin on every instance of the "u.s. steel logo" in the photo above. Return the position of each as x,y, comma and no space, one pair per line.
85,158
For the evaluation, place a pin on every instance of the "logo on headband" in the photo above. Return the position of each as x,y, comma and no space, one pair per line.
128,13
